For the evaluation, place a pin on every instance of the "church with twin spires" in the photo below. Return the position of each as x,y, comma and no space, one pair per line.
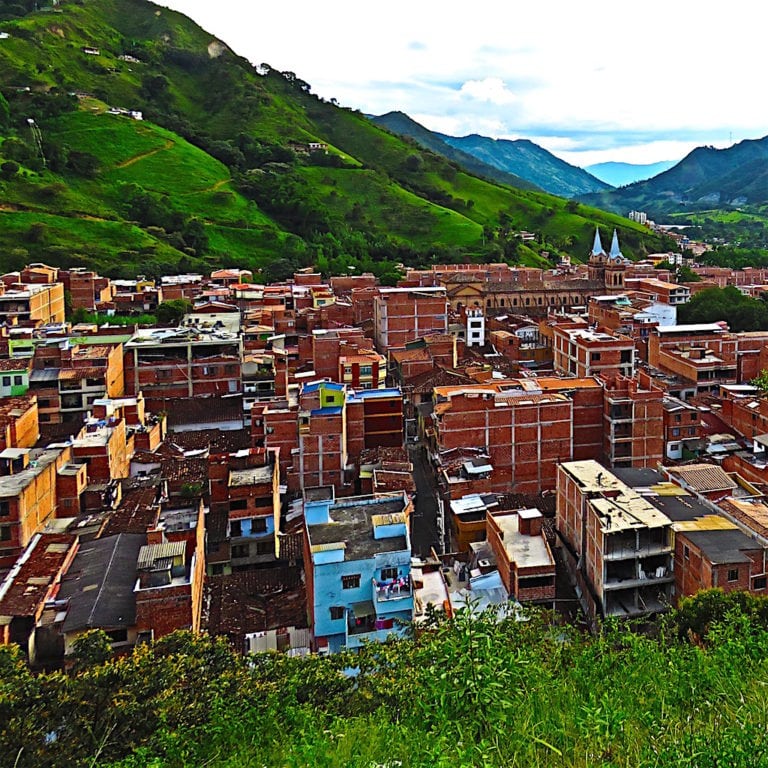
608,268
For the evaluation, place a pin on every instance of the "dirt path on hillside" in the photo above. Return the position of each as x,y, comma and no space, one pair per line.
131,160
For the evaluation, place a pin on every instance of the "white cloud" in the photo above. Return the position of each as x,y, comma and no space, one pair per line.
674,70
490,89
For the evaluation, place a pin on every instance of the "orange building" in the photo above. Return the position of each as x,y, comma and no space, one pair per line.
32,304
27,497
19,426
633,410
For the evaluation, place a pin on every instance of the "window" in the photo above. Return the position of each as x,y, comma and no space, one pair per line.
118,635
259,525
18,381
759,583
265,547
388,573
694,416
217,569
678,417
366,370
240,550
733,574
337,612
676,432
350,582
686,552
6,381
5,508
238,504
236,528
5,533
595,357
691,430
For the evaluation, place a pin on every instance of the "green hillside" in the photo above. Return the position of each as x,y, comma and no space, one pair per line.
219,172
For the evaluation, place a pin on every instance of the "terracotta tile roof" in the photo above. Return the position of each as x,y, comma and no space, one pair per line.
703,478
254,601
186,411
410,355
185,470
138,511
15,364
213,440
74,374
31,585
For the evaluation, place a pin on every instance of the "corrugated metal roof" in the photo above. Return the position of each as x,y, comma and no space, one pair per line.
151,553
46,374
99,584
328,547
393,518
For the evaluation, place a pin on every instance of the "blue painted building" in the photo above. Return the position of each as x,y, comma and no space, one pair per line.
358,563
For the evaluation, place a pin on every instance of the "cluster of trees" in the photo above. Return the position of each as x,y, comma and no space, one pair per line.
470,691
735,258
713,304
14,9
157,215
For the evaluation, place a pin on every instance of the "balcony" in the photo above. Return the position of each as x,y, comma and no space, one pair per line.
622,430
393,596
622,412
615,584
364,627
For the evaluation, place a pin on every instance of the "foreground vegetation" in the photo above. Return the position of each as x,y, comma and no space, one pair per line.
694,692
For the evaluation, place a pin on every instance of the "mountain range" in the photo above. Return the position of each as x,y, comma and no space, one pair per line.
706,178
619,174
522,158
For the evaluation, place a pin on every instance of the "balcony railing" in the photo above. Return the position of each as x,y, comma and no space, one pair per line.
394,589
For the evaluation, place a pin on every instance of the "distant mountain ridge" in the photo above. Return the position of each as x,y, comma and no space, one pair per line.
620,174
403,125
521,158
529,161
706,177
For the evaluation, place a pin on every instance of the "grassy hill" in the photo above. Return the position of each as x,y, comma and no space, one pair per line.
470,692
218,172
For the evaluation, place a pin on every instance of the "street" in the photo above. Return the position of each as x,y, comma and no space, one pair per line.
424,532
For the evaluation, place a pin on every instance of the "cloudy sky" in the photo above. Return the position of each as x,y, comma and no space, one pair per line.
591,81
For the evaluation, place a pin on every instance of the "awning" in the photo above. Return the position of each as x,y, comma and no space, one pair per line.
363,610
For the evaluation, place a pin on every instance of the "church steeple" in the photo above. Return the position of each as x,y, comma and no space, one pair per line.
615,253
597,247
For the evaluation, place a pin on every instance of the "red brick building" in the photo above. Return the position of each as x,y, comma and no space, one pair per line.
246,486
633,411
525,562
616,544
405,314
581,351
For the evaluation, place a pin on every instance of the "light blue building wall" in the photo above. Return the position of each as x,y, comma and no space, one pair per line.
361,570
